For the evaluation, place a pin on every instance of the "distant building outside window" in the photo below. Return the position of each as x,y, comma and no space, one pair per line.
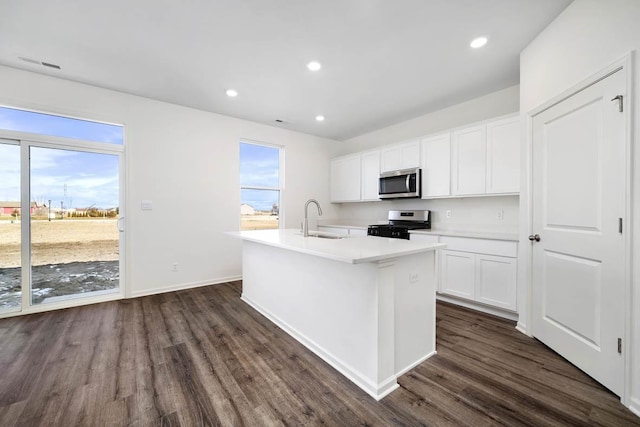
260,186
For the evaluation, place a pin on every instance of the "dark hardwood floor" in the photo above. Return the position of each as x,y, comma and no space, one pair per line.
203,357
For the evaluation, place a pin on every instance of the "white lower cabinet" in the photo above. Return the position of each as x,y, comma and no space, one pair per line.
457,274
488,278
495,281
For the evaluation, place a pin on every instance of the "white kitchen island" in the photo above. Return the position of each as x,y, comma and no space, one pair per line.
366,305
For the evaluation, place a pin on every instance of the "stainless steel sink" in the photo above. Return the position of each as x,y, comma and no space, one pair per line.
326,236
321,235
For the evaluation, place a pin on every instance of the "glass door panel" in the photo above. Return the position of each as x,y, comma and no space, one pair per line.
10,265
74,224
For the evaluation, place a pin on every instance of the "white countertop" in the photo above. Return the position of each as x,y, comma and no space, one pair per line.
353,250
471,233
491,235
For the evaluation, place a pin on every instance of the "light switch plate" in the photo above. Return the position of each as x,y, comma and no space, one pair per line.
146,205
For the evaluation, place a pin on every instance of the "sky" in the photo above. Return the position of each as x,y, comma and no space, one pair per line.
259,167
77,179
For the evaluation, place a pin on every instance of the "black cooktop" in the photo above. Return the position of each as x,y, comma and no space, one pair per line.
399,228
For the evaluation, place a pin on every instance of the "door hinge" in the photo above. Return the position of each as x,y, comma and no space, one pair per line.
620,99
620,345
620,225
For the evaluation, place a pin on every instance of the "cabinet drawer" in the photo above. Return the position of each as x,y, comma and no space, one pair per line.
481,246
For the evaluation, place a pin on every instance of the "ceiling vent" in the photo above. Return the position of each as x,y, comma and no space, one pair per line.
35,61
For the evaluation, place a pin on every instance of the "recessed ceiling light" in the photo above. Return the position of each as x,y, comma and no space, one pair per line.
478,42
314,65
232,93
320,118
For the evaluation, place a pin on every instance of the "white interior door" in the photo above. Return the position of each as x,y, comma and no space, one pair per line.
579,188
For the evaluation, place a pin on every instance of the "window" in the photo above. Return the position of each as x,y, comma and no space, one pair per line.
47,124
260,186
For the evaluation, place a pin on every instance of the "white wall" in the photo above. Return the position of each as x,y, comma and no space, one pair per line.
468,213
495,104
587,37
187,162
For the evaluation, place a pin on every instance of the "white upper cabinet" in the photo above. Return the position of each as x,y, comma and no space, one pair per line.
469,161
478,160
486,158
346,179
436,166
370,172
503,156
400,156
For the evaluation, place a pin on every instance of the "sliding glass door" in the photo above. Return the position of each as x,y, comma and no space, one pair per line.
74,231
60,223
61,210
10,229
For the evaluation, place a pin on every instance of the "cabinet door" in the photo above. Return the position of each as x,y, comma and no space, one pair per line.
410,154
390,158
457,274
345,179
496,281
436,166
400,156
503,156
469,165
370,174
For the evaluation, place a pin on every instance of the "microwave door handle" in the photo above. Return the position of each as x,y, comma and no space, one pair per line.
407,183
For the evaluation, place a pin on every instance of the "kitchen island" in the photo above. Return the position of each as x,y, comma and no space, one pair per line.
365,305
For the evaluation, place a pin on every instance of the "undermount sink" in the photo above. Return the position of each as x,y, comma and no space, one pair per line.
321,235
326,236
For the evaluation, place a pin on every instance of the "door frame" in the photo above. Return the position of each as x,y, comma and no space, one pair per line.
525,279
25,140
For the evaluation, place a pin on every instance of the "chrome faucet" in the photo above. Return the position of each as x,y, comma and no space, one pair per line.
305,224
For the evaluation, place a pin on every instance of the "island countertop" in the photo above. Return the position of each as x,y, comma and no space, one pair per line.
352,250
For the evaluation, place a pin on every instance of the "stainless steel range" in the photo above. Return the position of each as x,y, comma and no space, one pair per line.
400,222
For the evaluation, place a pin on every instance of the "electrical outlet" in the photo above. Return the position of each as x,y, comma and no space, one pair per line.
174,267
500,215
448,213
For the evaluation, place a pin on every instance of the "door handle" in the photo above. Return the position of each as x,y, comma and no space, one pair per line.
535,237
120,225
620,100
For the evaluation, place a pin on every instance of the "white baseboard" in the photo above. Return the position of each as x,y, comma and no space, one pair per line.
479,307
634,406
522,328
414,364
377,391
182,286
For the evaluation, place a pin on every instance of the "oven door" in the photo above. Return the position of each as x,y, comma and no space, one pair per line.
399,184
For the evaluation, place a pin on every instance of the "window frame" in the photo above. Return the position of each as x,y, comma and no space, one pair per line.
65,116
280,188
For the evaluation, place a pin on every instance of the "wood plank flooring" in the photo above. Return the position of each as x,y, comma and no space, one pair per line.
203,357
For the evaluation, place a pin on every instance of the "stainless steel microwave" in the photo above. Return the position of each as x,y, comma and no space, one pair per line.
404,183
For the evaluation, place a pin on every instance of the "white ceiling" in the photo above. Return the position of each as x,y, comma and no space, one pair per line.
383,61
